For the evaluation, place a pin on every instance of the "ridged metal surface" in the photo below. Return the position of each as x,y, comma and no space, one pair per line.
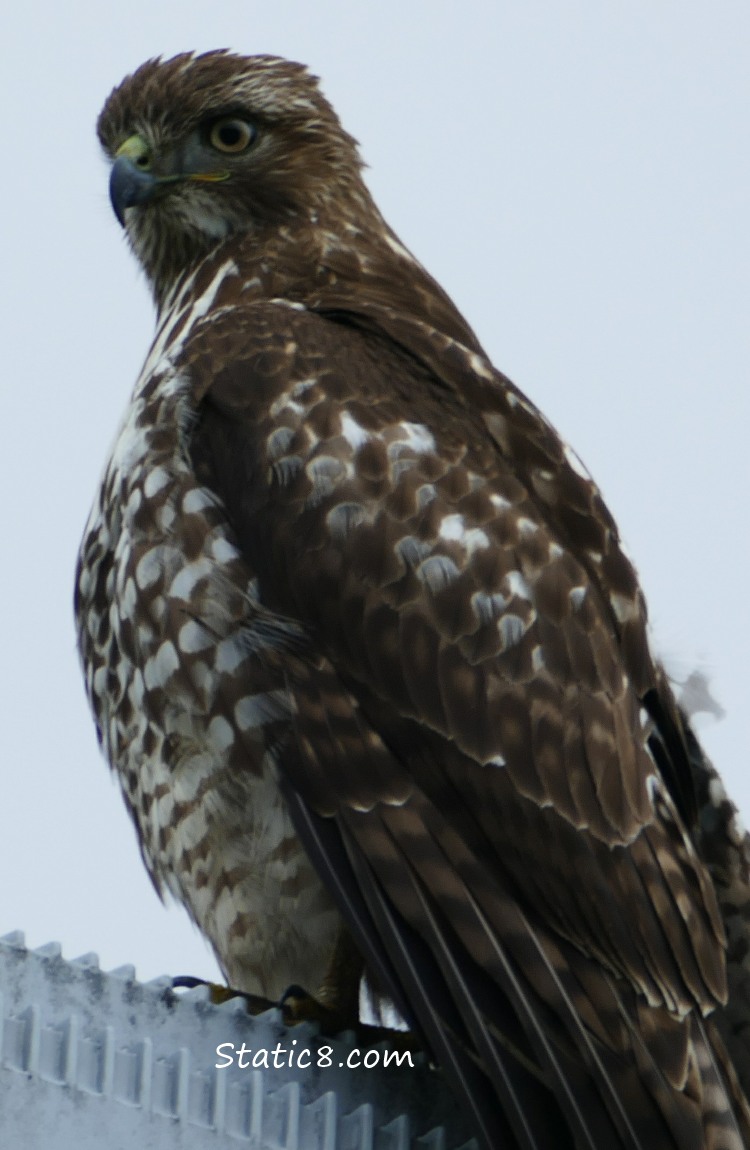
95,1060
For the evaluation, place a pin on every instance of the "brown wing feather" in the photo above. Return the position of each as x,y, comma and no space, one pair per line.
725,847
490,625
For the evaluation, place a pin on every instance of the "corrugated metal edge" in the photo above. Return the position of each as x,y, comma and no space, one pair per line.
141,1047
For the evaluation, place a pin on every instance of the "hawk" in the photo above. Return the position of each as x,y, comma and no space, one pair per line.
366,655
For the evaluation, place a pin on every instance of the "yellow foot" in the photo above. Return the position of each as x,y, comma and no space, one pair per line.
297,1005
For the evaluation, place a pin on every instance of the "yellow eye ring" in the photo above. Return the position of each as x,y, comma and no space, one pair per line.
231,135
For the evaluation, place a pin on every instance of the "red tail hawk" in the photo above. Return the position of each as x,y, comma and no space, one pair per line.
366,655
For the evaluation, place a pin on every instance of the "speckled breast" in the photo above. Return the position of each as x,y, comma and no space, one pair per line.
167,618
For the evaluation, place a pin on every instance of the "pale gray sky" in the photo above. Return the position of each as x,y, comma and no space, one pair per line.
575,174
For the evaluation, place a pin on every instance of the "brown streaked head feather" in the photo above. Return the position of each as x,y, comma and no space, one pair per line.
302,165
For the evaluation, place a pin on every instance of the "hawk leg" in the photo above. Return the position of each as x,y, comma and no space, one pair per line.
335,1006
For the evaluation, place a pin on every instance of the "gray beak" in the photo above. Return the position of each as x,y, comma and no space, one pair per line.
129,186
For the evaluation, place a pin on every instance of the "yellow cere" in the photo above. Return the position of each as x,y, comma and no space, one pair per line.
134,148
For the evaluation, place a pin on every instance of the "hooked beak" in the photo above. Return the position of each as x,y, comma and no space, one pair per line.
132,181
129,186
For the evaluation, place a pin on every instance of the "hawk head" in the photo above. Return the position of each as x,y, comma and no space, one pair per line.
205,146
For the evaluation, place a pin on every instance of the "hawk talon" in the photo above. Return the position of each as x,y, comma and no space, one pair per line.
298,1005
218,994
294,991
188,982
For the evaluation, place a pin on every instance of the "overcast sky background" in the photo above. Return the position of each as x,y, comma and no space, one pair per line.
577,175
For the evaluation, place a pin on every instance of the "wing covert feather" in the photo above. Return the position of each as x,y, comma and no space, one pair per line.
489,683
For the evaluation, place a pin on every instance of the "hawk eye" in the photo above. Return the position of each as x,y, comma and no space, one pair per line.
231,135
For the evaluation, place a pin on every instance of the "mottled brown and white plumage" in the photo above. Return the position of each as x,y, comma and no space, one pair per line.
363,646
